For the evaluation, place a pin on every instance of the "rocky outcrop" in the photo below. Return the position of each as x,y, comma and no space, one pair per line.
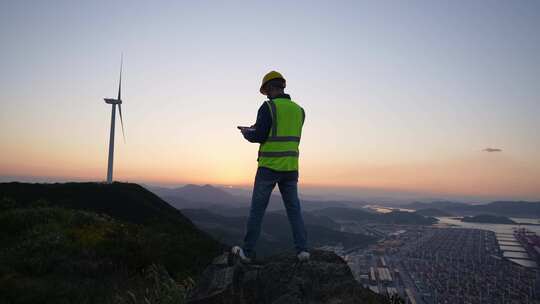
281,279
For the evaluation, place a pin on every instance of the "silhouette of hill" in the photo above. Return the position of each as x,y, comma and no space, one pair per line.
513,208
310,205
90,243
212,197
433,212
194,196
317,220
501,208
442,205
486,218
357,215
206,193
309,218
276,233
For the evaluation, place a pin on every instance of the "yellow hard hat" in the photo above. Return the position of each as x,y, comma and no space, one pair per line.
270,76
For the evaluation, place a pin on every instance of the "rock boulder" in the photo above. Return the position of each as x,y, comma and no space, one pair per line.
281,279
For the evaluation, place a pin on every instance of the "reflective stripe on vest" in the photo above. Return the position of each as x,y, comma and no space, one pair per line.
280,150
278,154
283,138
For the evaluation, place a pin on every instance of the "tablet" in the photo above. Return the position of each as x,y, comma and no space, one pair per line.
242,128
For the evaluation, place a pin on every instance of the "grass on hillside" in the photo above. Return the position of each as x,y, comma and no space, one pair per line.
52,254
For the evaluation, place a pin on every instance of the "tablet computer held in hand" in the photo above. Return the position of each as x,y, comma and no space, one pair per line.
242,128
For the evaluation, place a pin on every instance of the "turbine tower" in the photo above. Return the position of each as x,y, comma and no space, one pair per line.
113,102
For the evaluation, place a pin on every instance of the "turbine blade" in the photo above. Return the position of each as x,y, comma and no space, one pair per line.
121,121
120,82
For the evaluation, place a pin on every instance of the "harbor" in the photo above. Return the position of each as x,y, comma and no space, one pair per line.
514,249
515,243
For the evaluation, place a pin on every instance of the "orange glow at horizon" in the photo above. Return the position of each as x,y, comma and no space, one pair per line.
480,175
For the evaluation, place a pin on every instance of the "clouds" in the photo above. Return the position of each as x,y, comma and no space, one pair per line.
492,150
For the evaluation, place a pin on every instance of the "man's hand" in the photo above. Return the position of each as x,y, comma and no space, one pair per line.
246,130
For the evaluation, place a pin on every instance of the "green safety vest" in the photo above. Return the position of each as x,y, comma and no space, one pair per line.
280,150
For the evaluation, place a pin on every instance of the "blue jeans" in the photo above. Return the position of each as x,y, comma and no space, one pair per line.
265,181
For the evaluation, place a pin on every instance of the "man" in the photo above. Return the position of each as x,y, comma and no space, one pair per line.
278,129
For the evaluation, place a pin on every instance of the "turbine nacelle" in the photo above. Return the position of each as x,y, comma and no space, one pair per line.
112,101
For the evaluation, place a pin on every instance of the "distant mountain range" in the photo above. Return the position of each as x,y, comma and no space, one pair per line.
361,216
502,208
276,233
223,215
322,225
194,196
489,219
208,196
433,212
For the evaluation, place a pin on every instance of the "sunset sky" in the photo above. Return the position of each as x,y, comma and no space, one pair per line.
399,95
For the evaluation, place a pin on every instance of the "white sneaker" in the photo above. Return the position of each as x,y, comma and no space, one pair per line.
238,251
303,256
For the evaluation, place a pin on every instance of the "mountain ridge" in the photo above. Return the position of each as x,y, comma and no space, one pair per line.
193,196
276,234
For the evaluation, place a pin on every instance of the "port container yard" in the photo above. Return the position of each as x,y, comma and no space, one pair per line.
428,265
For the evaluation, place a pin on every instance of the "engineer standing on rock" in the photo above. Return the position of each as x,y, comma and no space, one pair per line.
278,130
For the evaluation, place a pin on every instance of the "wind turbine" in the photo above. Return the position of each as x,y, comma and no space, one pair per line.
114,102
